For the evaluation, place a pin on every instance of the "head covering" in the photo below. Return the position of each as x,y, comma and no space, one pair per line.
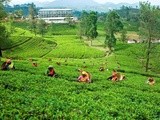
84,73
8,60
150,79
50,66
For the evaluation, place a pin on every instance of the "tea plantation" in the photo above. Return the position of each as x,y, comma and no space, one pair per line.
26,93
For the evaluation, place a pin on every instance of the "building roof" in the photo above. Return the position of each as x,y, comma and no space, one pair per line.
53,9
55,18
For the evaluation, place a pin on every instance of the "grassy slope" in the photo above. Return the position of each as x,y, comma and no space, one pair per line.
70,46
25,44
24,47
27,93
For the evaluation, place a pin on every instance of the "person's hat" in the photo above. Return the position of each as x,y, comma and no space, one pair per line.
84,73
50,66
8,60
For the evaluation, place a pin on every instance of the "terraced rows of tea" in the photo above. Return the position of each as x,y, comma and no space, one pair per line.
69,46
27,93
29,47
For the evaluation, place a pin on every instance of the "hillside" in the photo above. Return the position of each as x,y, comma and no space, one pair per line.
32,47
26,93
83,5
32,95
73,4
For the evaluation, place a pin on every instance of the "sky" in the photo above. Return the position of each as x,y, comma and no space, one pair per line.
154,2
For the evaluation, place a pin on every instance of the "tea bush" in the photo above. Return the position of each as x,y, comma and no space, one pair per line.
27,94
68,46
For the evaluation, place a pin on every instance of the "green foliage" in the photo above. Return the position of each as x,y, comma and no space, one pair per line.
70,46
23,46
93,25
27,94
130,16
131,26
32,11
113,22
3,31
2,11
150,20
88,25
149,27
61,29
32,18
23,43
33,26
41,26
21,24
18,13
11,26
110,41
83,23
124,35
4,35
113,25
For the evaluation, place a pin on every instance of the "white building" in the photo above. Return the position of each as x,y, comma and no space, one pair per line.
56,15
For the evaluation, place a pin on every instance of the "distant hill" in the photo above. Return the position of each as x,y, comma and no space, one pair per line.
77,5
82,5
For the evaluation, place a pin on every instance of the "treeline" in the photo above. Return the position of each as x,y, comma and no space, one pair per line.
20,10
145,21
129,15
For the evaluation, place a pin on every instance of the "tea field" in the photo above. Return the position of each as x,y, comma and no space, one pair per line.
26,93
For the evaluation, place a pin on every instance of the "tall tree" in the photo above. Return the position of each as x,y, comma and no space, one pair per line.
69,20
92,33
88,25
41,26
3,32
124,35
18,13
3,38
32,17
2,11
113,25
149,27
83,24
11,21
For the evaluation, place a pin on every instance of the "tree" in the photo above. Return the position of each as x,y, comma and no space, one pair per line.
3,32
83,24
11,21
125,12
113,25
41,25
88,25
149,27
123,35
32,17
92,33
69,20
2,11
18,13
3,38
130,16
